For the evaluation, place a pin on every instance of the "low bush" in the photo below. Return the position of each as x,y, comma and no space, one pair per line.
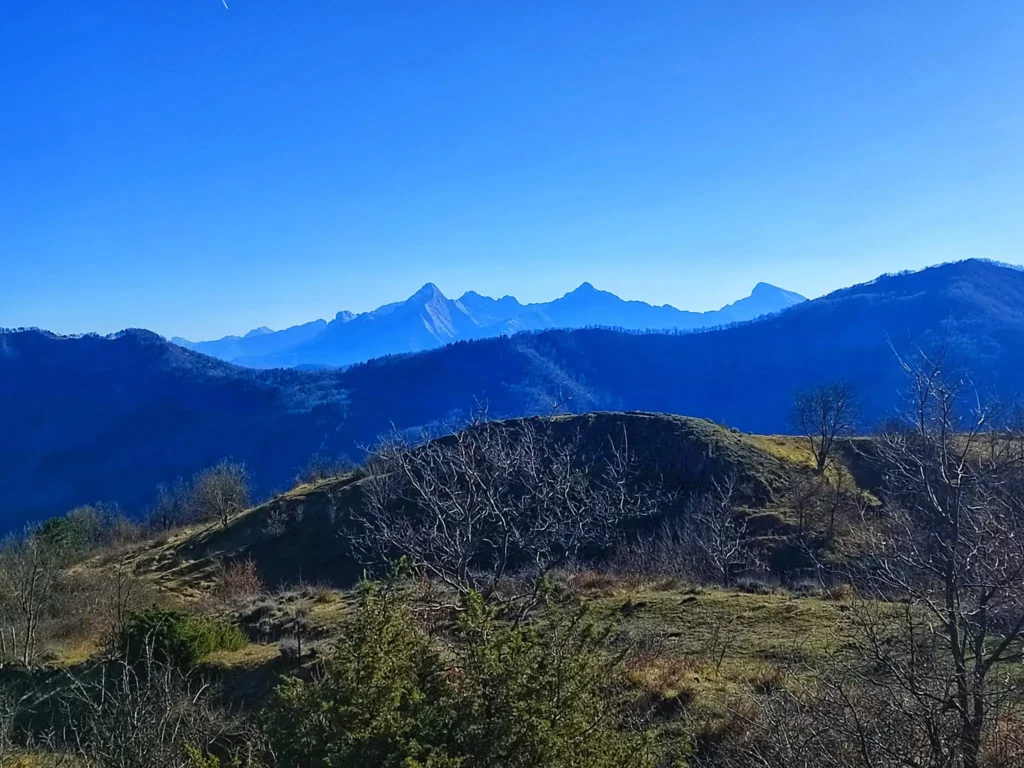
494,694
176,637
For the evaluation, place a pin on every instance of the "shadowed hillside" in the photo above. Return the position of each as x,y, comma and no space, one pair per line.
301,534
108,418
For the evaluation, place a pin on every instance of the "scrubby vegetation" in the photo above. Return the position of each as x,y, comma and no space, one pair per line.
174,637
602,590
484,693
215,493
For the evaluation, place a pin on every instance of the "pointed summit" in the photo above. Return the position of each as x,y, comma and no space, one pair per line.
765,299
767,289
428,292
584,291
769,292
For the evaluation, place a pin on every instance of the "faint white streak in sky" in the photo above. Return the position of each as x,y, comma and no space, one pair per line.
225,3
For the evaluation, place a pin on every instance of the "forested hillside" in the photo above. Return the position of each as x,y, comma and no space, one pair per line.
93,418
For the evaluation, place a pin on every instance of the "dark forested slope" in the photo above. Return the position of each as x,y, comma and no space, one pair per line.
107,418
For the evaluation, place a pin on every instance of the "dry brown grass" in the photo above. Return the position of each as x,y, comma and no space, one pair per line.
839,592
606,582
667,677
766,679
40,760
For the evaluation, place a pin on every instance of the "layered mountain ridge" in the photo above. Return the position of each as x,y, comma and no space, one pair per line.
429,319
96,418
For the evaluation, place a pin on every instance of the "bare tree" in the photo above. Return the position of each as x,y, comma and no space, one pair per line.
561,401
322,467
29,567
823,415
716,534
804,500
125,592
953,550
838,498
470,508
221,491
171,507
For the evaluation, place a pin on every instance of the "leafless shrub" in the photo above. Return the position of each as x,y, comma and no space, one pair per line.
276,522
29,567
472,508
804,499
172,506
239,581
125,593
9,746
94,604
717,534
709,542
121,715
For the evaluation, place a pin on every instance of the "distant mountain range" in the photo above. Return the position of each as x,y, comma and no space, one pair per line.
107,418
428,319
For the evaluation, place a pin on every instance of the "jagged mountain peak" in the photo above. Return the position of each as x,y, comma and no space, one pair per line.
428,292
428,319
585,289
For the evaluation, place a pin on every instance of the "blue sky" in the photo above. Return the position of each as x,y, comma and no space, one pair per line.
197,170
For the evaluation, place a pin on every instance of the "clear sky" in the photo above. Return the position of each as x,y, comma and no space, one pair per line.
202,170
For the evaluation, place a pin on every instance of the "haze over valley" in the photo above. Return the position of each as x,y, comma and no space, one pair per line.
429,319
